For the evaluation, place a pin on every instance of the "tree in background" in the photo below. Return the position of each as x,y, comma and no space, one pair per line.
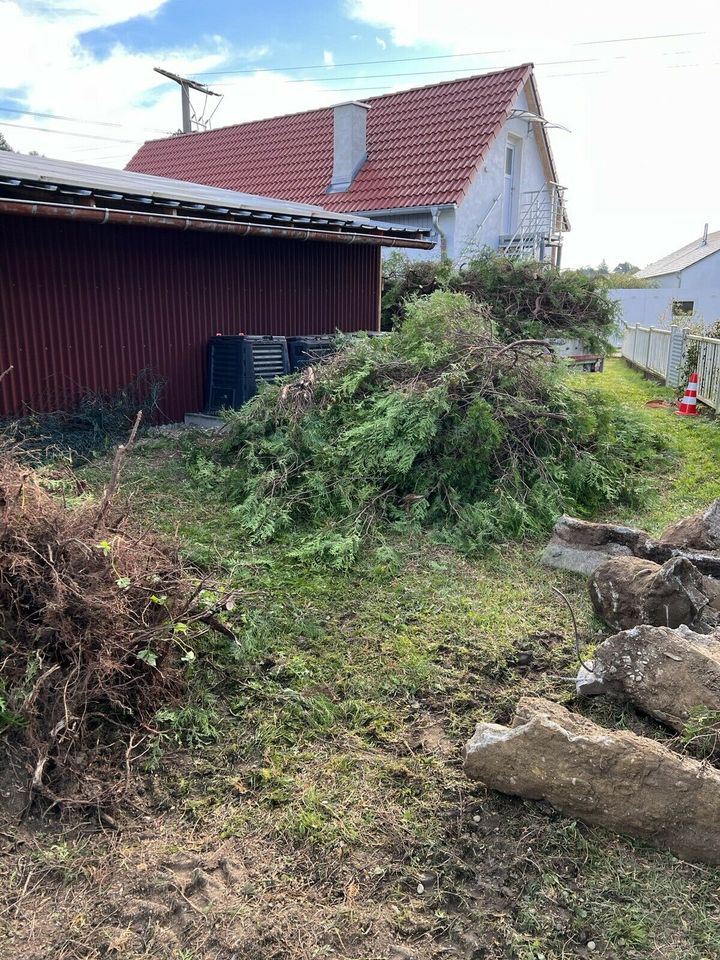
601,270
622,276
4,145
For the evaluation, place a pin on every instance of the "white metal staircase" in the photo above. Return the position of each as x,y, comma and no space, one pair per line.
541,220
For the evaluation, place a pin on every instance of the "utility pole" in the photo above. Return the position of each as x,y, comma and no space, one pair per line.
186,86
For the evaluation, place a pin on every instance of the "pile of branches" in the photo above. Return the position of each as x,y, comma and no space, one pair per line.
86,427
438,424
93,616
524,298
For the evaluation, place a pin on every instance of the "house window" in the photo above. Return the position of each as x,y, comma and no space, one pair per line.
509,161
509,187
683,308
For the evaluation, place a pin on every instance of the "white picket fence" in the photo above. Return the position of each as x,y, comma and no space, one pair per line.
662,353
708,368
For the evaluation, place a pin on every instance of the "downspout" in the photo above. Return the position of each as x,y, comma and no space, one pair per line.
380,290
435,211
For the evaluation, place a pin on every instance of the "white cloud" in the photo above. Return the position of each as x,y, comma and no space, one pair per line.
639,163
380,42
47,69
328,58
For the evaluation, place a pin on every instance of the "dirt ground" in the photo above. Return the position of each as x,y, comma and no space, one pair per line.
307,801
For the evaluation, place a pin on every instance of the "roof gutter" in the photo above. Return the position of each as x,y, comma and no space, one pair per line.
104,215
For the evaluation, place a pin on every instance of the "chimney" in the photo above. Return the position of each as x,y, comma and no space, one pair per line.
349,143
705,233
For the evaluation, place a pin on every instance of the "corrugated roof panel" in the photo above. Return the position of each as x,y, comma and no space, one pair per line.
82,180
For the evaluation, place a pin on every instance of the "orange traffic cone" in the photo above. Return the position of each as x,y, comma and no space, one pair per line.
688,406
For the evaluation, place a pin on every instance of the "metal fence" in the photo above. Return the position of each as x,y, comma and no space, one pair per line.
647,348
663,353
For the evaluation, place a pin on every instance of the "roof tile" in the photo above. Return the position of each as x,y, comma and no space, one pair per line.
423,146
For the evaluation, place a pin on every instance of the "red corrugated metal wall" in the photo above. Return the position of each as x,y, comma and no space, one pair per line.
85,307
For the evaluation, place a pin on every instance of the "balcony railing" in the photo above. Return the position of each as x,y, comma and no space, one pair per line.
541,221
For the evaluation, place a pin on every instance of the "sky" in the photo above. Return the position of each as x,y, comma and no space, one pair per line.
635,83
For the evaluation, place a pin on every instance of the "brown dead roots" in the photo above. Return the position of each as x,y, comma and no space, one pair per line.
89,615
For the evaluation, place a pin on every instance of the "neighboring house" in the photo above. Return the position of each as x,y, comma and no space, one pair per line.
468,159
104,274
696,265
686,287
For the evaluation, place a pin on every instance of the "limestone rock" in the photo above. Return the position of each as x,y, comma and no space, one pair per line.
666,673
581,547
615,779
627,591
698,532
588,682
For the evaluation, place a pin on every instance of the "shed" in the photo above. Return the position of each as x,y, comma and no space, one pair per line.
105,274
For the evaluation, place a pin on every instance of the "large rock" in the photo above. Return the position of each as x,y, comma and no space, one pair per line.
666,673
699,532
581,547
627,591
615,779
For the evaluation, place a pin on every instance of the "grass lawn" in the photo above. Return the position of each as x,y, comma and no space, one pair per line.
695,481
307,801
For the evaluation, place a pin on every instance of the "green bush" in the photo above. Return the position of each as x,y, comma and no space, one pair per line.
524,299
439,424
695,327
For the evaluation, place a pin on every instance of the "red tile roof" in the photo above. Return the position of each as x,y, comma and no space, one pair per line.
424,146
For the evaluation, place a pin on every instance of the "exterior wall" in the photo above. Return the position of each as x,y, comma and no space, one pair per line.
653,307
86,307
422,220
477,222
667,281
477,205
703,275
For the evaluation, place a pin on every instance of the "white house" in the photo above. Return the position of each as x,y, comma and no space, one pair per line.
694,266
686,287
469,159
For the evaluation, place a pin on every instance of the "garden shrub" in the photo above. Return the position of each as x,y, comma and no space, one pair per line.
439,424
523,298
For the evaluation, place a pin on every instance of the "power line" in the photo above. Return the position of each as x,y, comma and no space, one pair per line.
65,133
653,36
456,70
348,63
420,73
362,88
114,157
438,56
57,116
85,150
475,71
